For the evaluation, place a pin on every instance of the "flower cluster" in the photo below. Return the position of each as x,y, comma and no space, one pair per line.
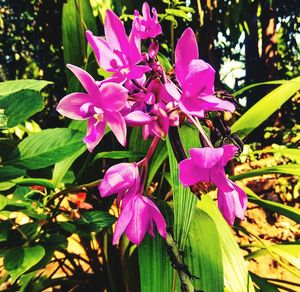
139,93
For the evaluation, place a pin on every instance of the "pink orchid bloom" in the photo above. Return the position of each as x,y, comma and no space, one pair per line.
119,179
207,165
147,26
100,106
116,52
196,79
137,217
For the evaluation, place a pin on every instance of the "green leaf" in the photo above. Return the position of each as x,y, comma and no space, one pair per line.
95,220
156,273
177,13
184,199
291,169
184,202
61,168
159,156
263,284
289,252
10,172
13,86
46,148
289,152
164,61
77,17
21,105
290,212
19,260
3,202
118,155
34,181
240,91
203,253
265,108
186,9
236,275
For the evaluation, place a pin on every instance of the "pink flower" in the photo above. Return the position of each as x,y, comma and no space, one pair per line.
117,53
100,106
196,79
118,179
137,217
207,165
147,26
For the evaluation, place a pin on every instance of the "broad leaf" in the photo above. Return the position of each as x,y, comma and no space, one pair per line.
46,148
12,86
3,202
10,172
21,105
61,168
265,108
19,260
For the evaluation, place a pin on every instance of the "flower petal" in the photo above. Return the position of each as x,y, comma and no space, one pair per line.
212,103
233,203
137,118
199,80
158,218
190,174
102,51
192,106
113,96
140,220
218,177
70,105
115,32
123,221
206,157
118,178
186,50
229,151
137,71
95,132
87,81
117,124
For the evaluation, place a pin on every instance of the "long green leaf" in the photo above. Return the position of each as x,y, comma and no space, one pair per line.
77,17
285,210
289,252
184,202
265,108
236,275
118,155
159,156
240,91
156,273
203,253
291,169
